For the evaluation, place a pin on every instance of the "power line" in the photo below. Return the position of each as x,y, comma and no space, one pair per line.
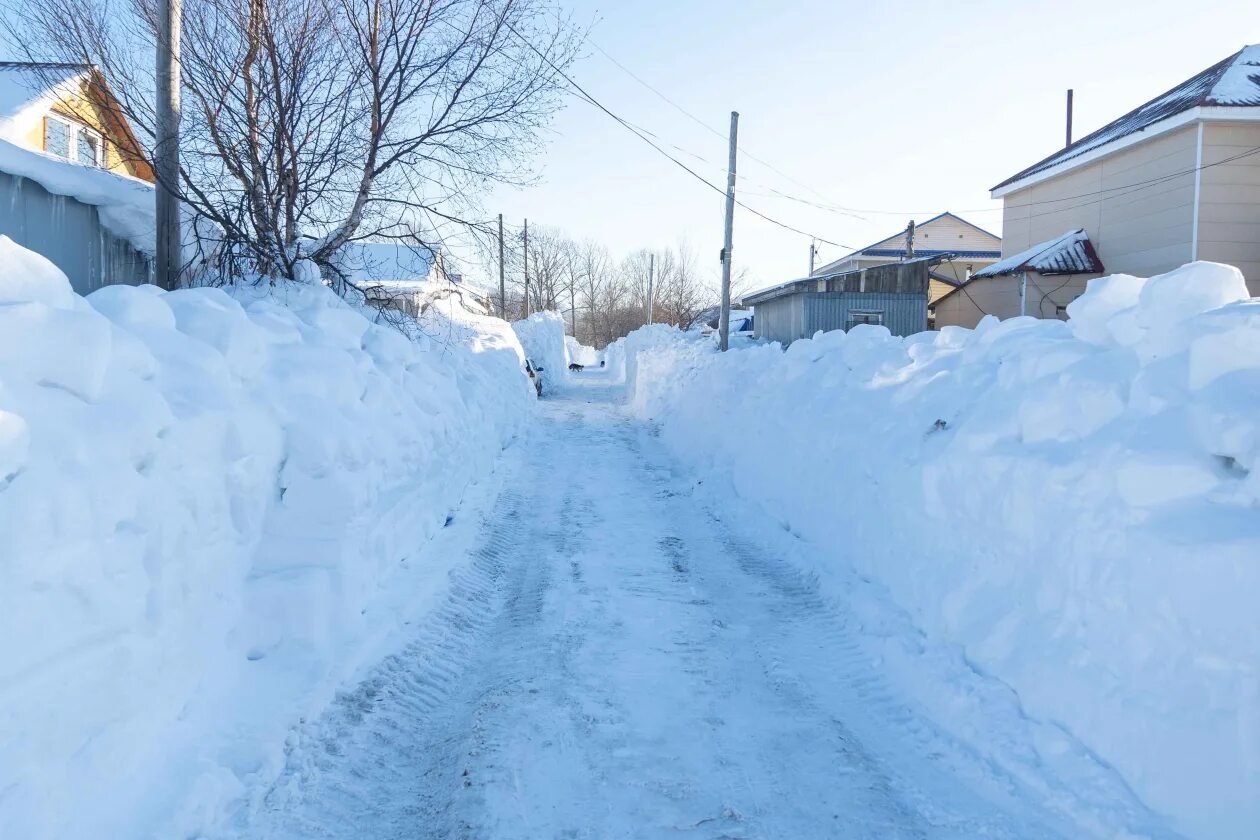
593,101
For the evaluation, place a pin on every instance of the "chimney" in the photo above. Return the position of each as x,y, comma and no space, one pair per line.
1069,117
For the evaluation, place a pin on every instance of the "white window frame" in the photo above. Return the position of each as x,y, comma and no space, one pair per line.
854,314
73,129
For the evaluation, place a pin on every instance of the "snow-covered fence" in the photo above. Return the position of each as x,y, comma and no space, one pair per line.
1076,505
70,233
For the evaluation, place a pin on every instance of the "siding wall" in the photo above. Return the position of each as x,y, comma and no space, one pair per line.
1229,199
1142,232
70,234
1000,296
902,314
781,319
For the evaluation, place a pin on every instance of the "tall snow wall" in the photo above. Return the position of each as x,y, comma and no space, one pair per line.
1076,505
202,496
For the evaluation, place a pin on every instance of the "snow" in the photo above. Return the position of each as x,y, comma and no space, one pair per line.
542,337
579,353
1069,253
216,505
1073,505
125,204
27,93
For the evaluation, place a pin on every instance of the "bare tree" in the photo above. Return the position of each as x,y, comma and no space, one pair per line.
312,123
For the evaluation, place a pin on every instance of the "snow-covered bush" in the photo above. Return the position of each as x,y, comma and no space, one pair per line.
202,494
1076,505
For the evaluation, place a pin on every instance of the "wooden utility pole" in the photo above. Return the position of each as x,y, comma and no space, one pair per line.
168,259
724,316
813,251
651,277
502,286
910,240
526,235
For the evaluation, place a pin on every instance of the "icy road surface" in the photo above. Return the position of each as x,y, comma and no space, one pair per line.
619,659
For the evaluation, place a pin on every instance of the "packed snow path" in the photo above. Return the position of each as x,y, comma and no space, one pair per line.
616,660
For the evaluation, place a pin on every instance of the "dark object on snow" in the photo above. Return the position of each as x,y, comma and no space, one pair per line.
576,366
601,363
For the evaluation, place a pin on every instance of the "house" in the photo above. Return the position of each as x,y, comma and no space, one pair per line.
891,294
1040,281
402,275
1174,180
67,111
963,247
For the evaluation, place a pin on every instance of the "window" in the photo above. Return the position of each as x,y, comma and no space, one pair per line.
57,137
71,141
89,147
1060,312
865,316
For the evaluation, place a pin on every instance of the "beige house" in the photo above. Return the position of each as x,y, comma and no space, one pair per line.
1040,281
964,248
1177,179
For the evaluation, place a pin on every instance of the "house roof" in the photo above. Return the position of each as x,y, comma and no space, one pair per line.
1233,82
899,251
29,88
1071,253
810,284
386,262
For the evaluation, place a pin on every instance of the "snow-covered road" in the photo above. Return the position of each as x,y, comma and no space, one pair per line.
619,658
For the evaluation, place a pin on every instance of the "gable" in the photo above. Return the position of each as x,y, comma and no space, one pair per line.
942,233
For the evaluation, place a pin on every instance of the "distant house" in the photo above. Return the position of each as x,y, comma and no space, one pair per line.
401,275
963,248
67,111
1040,281
892,294
1175,180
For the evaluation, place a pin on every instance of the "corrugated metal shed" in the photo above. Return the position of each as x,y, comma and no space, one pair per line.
893,295
1071,253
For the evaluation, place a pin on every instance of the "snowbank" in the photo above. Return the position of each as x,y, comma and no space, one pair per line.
1073,504
542,337
204,497
579,353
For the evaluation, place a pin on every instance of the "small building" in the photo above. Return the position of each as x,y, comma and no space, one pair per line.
1174,180
1040,282
963,248
894,295
402,275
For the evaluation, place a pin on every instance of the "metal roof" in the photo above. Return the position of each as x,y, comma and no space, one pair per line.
810,284
1071,253
1232,82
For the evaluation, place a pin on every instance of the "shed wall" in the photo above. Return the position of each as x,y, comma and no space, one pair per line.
781,319
902,314
69,233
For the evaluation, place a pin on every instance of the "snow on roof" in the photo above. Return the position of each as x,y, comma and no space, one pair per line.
1232,82
29,89
125,204
393,263
1071,253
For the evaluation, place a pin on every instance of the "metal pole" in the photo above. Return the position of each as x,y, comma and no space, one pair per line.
168,259
527,268
1023,291
1069,117
502,286
724,316
812,251
651,277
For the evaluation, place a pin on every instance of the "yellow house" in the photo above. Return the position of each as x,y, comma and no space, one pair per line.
67,111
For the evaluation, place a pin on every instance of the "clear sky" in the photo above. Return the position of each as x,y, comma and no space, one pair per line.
896,110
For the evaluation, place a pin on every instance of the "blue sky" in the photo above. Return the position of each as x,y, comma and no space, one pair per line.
898,111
